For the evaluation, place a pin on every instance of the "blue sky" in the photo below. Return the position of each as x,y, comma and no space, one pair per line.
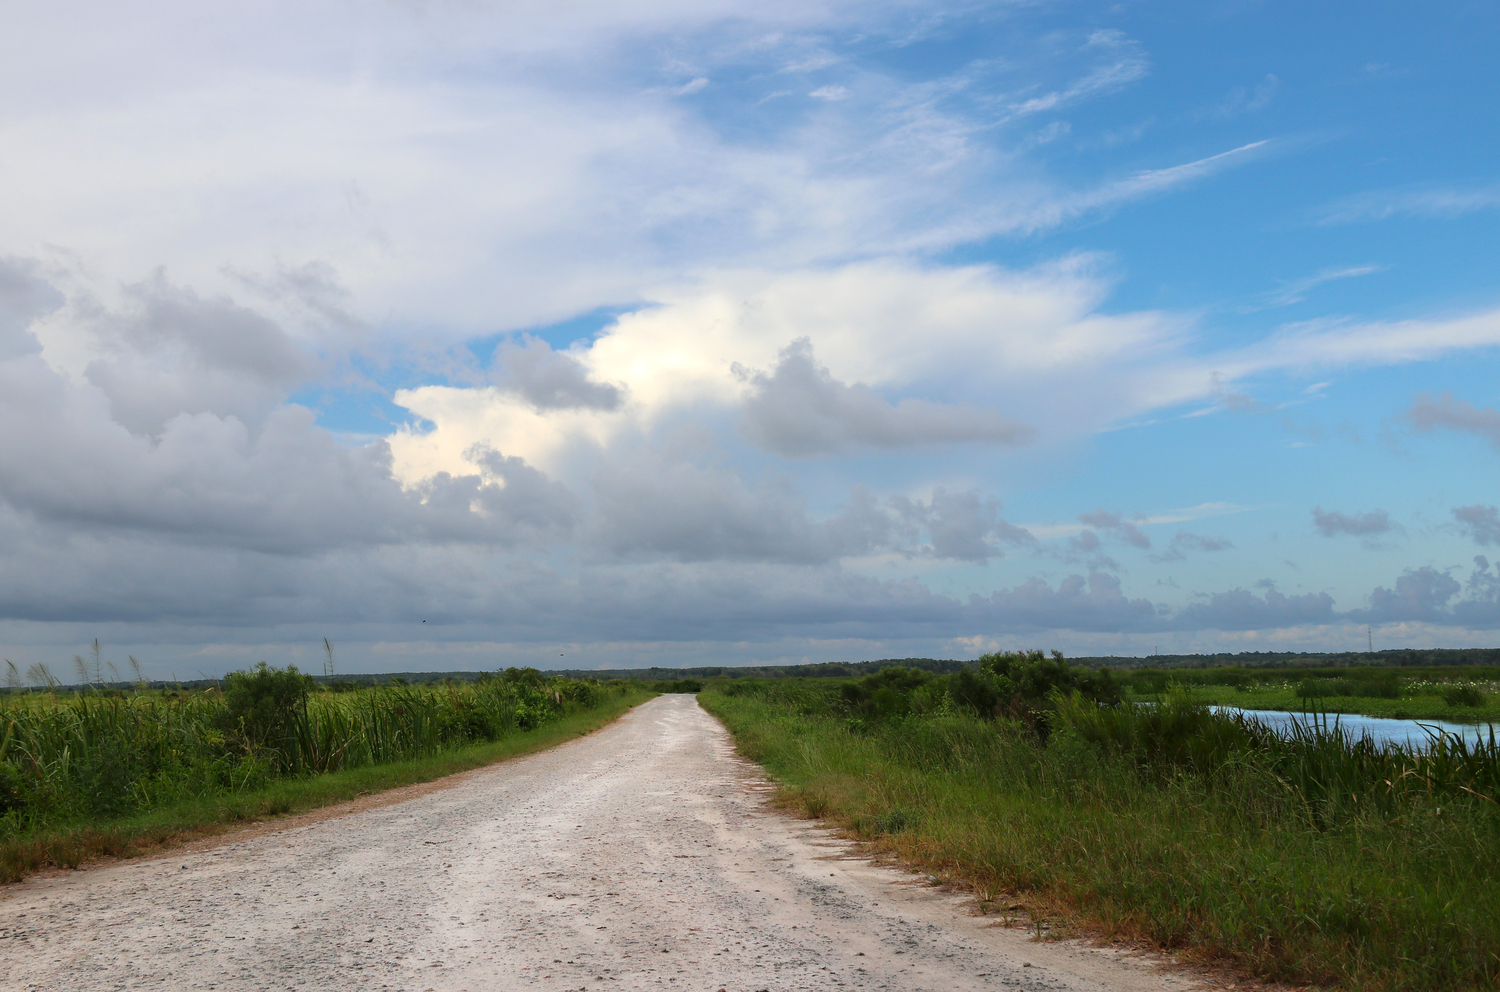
687,333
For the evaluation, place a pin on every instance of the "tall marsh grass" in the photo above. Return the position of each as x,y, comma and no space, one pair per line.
68,758
1314,858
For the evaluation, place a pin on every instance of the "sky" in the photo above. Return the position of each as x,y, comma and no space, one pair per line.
581,335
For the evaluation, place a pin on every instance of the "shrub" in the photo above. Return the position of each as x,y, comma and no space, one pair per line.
1025,686
263,704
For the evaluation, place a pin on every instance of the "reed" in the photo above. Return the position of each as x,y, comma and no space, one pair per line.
77,760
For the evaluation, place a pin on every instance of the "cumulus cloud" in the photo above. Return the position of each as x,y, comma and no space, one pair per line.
1085,541
1093,603
24,296
551,380
799,409
1184,541
956,342
168,351
651,505
1419,594
1428,413
653,502
1125,530
216,458
311,206
1481,523
960,525
1240,609
1331,523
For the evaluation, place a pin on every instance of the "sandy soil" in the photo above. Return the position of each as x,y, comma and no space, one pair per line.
640,857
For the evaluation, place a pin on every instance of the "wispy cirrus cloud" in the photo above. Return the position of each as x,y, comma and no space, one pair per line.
1437,202
1296,290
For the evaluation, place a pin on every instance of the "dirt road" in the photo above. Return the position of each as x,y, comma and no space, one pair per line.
641,857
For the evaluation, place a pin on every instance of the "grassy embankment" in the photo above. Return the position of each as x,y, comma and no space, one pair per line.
92,774
1317,859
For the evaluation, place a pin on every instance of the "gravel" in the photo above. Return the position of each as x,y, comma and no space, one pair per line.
643,856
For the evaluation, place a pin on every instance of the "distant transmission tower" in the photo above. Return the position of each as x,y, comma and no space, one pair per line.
1370,640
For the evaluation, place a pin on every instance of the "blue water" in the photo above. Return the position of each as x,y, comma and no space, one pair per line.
1380,729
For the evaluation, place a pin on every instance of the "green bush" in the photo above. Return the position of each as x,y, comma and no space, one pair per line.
1025,686
263,704
678,685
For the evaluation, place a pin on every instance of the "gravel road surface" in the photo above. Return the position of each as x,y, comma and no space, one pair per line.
640,857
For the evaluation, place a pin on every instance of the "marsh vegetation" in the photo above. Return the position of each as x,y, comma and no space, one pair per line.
105,762
1311,857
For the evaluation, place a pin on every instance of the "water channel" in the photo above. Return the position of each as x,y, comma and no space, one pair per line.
1413,733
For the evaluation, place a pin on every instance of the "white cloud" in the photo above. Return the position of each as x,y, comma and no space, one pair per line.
435,163
952,338
1437,202
229,203
1296,290
1243,99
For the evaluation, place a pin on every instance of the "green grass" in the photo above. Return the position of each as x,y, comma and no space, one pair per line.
1318,860
69,841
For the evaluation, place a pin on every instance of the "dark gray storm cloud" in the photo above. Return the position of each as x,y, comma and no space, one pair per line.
800,410
553,380
1331,523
